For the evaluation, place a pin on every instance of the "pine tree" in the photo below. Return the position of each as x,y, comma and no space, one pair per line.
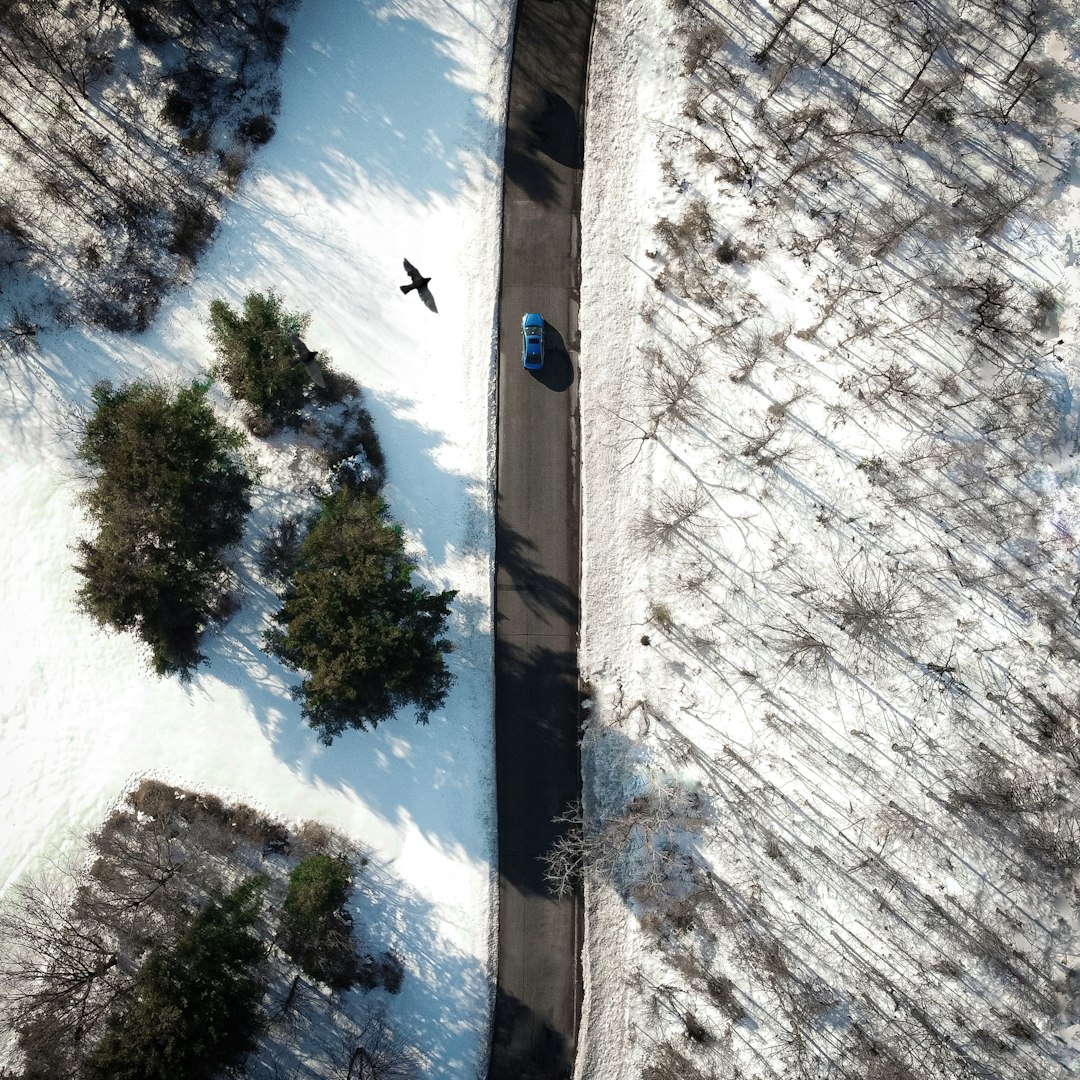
313,931
168,495
255,353
369,639
194,1010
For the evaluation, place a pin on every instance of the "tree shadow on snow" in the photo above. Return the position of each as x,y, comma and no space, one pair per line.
401,771
378,91
444,998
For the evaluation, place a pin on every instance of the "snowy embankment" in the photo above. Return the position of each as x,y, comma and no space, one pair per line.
831,536
388,146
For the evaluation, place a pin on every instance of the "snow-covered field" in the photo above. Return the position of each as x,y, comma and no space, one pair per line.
388,146
831,538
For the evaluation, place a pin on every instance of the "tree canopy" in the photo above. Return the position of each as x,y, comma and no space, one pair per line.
255,353
194,1010
168,494
313,930
369,639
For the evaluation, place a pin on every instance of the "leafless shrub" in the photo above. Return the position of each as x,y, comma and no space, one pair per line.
700,44
374,1050
750,346
673,387
687,242
804,648
677,514
279,552
873,468
1044,311
891,225
20,333
659,614
671,179
895,379
876,606
995,203
769,448
144,872
263,831
778,410
59,970
339,387
665,1062
154,799
998,787
635,847
314,838
722,991
1057,724
1058,841
845,25
993,310
194,222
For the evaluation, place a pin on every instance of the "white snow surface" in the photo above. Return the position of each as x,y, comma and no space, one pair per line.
388,146
820,828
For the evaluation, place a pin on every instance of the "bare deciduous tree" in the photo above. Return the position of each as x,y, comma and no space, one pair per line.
59,971
374,1050
677,514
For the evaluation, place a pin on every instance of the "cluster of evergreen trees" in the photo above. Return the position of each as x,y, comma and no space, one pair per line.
160,956
169,492
194,1010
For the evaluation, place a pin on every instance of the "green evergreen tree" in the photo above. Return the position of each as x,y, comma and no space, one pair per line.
194,1010
168,494
370,640
312,929
254,354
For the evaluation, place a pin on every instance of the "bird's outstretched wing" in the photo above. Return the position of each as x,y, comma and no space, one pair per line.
315,373
414,275
309,359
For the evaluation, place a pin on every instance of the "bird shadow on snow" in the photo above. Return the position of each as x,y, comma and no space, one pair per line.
379,88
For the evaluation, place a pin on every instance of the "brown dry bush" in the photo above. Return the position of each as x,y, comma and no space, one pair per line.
251,824
701,43
877,606
673,387
676,515
153,798
666,1062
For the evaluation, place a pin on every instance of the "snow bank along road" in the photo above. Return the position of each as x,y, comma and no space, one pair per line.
536,542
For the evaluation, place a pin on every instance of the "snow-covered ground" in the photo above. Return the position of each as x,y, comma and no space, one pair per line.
830,523
388,146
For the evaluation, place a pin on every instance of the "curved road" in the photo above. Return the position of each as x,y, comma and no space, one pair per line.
536,543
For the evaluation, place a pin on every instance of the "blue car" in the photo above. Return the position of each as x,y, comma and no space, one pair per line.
532,342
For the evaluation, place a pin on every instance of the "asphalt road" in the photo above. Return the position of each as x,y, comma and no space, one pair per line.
537,543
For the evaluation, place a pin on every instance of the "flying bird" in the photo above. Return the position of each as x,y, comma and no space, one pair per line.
305,356
420,284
